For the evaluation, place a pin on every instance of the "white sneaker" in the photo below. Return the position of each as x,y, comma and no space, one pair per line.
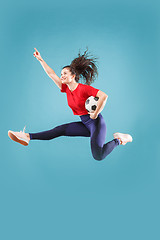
19,137
123,137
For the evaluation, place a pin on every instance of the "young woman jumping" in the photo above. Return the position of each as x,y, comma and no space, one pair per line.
92,124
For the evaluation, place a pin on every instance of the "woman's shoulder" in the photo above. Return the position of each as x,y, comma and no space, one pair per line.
63,87
85,86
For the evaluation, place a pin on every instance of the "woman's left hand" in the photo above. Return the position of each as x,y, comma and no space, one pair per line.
93,115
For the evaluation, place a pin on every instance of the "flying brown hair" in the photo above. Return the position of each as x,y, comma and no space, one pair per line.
84,66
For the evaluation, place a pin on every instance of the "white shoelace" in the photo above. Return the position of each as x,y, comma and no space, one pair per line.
24,129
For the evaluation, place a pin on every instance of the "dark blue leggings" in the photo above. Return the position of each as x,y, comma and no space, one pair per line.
87,127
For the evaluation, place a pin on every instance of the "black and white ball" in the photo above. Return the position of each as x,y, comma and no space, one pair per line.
91,104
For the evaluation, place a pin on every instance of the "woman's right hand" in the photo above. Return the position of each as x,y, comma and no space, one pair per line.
37,55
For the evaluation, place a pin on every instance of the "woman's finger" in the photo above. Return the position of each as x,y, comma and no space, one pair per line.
36,49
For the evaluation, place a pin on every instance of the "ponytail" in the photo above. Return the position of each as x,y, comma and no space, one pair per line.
84,66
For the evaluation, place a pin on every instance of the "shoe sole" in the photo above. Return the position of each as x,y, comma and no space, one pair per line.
16,139
123,137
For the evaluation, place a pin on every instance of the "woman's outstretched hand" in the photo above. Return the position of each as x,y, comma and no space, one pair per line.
37,55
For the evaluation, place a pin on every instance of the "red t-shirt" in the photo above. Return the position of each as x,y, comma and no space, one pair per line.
76,98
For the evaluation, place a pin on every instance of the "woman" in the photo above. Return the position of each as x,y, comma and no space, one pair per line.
92,124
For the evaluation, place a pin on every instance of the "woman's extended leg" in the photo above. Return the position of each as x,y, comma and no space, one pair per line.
97,128
70,129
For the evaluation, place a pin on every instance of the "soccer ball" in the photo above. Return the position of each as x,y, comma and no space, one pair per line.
91,104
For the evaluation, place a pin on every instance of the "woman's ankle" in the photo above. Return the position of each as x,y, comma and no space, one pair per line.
28,136
120,141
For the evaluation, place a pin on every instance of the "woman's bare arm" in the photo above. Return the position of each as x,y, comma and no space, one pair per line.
101,102
50,72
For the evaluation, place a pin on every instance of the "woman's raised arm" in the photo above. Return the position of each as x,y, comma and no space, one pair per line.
50,72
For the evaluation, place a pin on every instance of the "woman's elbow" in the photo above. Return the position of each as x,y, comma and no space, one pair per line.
105,96
102,95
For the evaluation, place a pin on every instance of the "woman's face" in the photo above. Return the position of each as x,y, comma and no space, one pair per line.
66,76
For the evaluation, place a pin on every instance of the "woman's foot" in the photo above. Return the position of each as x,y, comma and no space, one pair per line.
20,137
124,138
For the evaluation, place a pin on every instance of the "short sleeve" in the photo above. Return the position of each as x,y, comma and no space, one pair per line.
63,87
90,91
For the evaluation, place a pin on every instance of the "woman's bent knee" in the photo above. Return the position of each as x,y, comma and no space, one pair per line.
98,158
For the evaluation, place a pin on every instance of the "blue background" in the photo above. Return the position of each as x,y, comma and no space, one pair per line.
55,189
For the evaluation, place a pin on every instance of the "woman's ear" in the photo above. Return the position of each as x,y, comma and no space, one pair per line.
73,76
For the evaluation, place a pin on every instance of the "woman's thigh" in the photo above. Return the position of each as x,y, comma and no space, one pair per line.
98,131
76,129
68,129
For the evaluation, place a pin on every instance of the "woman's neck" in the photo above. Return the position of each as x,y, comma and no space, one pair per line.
72,86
